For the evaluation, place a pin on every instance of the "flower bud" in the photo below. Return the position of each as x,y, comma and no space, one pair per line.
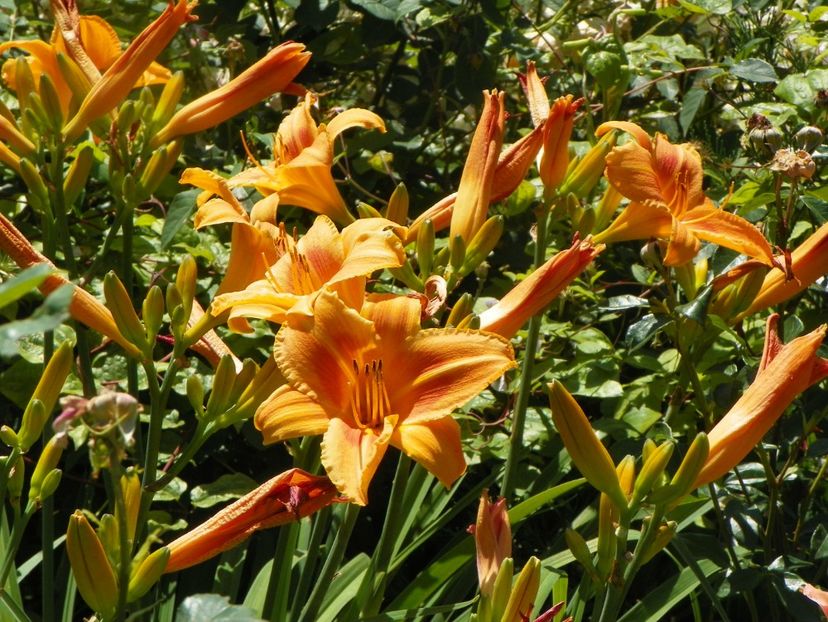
519,607
482,244
663,536
74,77
425,248
195,394
461,309
185,281
457,252
651,471
583,177
808,138
120,304
495,605
223,379
737,296
78,174
158,167
14,486
580,551
38,194
610,201
152,312
131,490
24,82
589,455
493,540
46,463
169,99
49,485
94,576
607,517
9,436
45,396
686,474
367,211
51,103
397,209
147,574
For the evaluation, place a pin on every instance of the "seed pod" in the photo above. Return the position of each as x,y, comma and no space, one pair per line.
766,140
94,576
808,138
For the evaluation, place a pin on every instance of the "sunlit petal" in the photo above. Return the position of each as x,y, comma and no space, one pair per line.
728,230
354,117
289,414
435,445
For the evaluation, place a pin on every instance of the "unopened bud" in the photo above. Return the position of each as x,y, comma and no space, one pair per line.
580,551
502,590
24,82
195,394
168,100
74,77
685,476
51,102
120,304
610,201
93,573
45,396
152,312
461,309
524,591
127,115
482,244
147,574
651,471
223,379
78,174
38,193
49,485
46,463
367,211
15,481
9,436
457,250
131,490
425,248
398,205
583,177
185,281
663,536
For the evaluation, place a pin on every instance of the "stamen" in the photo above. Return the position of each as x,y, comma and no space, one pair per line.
369,398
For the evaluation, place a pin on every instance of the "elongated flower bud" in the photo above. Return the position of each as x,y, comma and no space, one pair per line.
493,540
47,462
493,607
223,381
580,551
651,471
38,193
482,244
397,209
45,396
15,481
586,451
461,309
51,102
94,576
152,313
120,304
425,248
147,574
169,99
663,536
519,607
585,174
74,77
686,474
185,281
557,132
78,174
10,135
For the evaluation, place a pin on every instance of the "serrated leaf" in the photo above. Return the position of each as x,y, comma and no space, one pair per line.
181,207
226,488
213,607
754,70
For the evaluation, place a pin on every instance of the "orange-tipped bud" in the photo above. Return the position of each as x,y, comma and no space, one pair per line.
493,540
540,288
286,498
784,372
269,75
475,190
94,576
556,135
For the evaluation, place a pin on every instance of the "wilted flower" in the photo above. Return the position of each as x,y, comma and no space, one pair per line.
493,540
794,164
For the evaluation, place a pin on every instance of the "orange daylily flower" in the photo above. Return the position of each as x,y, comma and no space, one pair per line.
271,74
809,261
785,371
511,169
94,38
288,497
664,183
559,120
368,381
492,538
121,76
300,173
535,292
323,258
475,190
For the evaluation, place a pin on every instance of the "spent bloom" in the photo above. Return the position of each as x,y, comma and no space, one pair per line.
492,538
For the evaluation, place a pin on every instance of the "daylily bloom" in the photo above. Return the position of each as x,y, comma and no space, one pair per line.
511,169
559,119
492,538
820,597
535,292
271,74
288,497
121,76
785,371
300,173
809,261
664,183
474,193
92,37
323,258
368,381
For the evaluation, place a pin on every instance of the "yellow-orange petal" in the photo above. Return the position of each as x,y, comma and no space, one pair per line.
287,414
354,117
395,318
320,361
258,299
809,261
636,131
630,170
475,189
252,251
296,131
271,74
679,171
536,99
438,370
370,244
728,230
211,183
556,134
682,246
639,221
351,456
435,445
216,212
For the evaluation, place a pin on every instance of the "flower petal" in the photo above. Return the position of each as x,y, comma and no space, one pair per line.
637,132
259,299
252,250
395,319
354,117
728,230
437,370
639,221
630,170
435,445
351,456
287,414
682,247
320,361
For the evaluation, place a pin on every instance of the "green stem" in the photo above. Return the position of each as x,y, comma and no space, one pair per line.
16,537
127,278
124,548
321,522
376,579
335,555
4,474
522,401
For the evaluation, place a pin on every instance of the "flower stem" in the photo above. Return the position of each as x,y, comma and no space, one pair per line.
335,555
123,537
522,401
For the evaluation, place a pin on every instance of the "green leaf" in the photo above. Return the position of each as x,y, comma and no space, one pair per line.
389,10
754,70
343,588
51,314
21,284
210,607
660,600
226,488
794,89
181,207
690,104
644,329
817,207
524,509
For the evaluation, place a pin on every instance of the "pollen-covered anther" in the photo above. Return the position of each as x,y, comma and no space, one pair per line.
369,397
